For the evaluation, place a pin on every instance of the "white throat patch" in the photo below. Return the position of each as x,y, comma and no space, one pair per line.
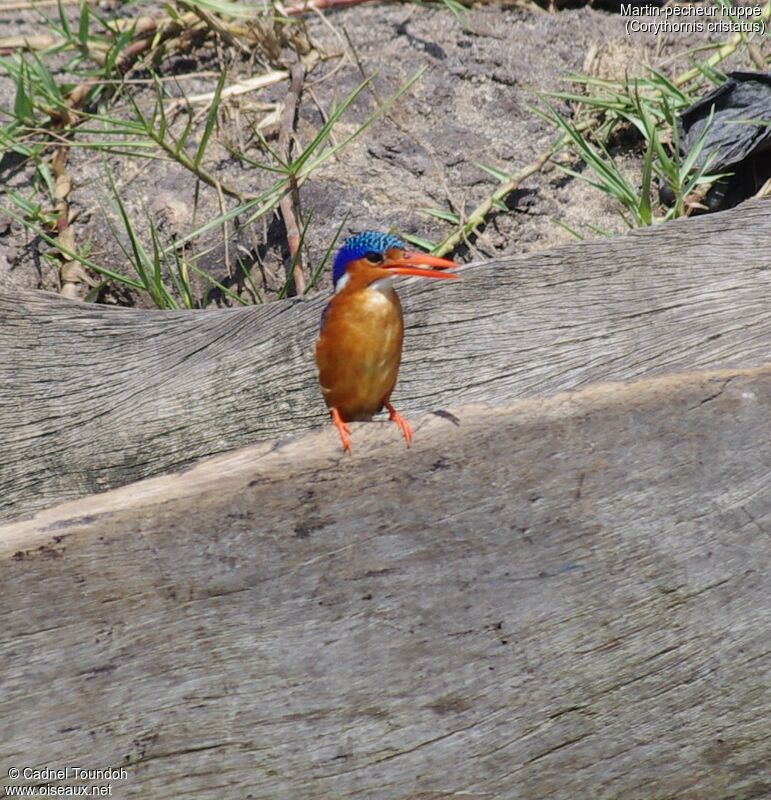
342,282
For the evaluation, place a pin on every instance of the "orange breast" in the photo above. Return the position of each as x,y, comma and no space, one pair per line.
359,350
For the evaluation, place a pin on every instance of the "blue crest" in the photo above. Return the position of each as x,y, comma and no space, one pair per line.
358,246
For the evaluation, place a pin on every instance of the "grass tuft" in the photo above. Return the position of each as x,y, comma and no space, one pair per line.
649,106
98,85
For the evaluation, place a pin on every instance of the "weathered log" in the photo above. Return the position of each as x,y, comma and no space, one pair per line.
96,397
562,598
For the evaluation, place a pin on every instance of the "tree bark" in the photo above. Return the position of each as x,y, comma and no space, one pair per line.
96,397
558,598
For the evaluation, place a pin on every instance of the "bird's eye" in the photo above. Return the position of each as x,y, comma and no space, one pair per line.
374,258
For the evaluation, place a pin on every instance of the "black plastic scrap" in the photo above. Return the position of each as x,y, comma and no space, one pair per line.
744,96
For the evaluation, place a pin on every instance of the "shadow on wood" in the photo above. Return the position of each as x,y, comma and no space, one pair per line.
560,598
97,397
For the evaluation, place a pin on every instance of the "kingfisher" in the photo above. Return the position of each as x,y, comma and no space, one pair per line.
359,348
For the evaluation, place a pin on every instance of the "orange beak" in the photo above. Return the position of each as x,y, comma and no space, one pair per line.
417,264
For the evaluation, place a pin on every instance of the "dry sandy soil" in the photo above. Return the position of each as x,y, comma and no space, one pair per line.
482,70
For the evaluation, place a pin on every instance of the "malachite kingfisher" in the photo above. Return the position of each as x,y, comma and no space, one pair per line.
359,348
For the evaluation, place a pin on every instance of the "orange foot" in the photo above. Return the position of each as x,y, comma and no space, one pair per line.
396,417
342,429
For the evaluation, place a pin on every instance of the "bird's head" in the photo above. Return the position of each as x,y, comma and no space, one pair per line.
372,256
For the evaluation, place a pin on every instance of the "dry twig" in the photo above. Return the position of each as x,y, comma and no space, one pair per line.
289,203
71,272
316,5
479,214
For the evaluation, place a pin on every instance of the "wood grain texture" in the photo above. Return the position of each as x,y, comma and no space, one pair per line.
94,397
560,598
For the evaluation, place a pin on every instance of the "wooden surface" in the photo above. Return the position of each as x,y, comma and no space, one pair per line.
559,598
94,398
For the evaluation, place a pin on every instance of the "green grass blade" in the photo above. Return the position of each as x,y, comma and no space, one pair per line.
211,121
72,256
83,26
423,244
320,268
565,226
22,107
498,174
379,112
447,216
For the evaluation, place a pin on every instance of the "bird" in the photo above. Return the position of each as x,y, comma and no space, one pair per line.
359,347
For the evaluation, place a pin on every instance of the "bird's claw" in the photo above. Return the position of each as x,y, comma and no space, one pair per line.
404,426
342,429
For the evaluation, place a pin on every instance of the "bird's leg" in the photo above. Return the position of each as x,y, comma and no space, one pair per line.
342,429
396,417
